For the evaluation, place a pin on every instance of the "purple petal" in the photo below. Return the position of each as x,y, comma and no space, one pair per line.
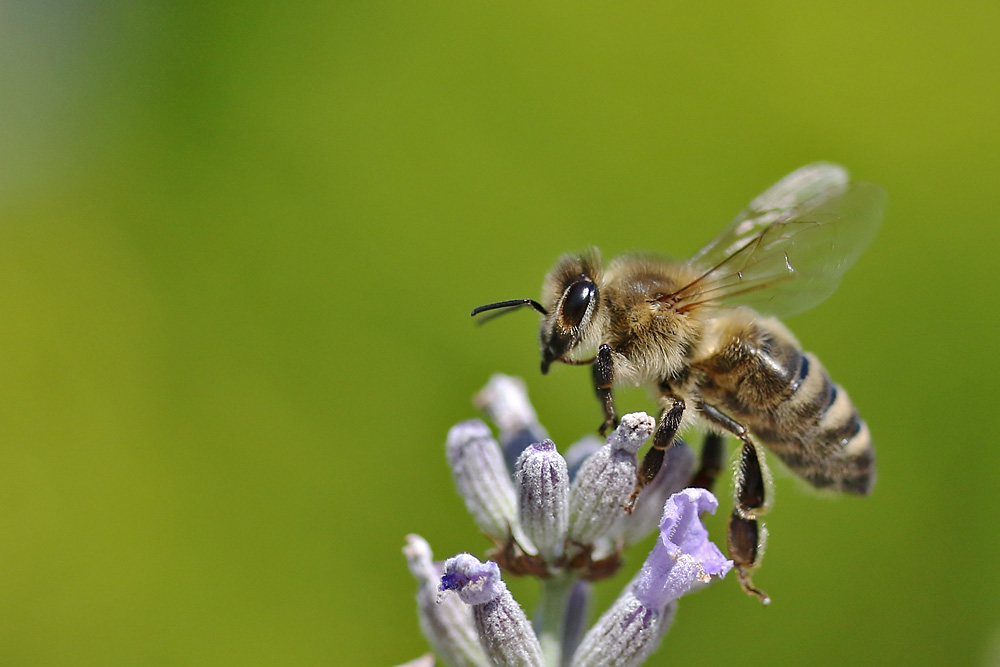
447,624
681,529
683,556
475,582
504,631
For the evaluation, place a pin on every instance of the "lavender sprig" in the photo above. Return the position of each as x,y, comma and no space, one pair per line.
564,523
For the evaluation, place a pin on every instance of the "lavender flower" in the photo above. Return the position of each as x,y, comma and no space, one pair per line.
505,402
567,535
683,557
446,623
502,625
626,634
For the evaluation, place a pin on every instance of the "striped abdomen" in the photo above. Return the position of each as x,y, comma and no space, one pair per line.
759,376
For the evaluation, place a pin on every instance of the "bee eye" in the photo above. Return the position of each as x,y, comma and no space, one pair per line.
578,298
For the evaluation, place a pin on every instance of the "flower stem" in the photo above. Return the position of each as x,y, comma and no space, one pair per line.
550,617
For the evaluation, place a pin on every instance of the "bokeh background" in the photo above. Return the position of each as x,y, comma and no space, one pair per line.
238,249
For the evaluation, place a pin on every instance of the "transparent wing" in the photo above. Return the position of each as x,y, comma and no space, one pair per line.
788,250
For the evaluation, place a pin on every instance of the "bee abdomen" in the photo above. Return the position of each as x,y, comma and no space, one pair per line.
819,434
761,377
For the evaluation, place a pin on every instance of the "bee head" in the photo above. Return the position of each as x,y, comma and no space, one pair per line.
571,289
572,298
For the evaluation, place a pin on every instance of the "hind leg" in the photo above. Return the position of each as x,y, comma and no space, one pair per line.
746,534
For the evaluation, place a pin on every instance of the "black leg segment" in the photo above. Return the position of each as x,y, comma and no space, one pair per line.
666,430
604,378
712,452
744,538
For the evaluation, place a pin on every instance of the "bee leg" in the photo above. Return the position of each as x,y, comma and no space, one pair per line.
670,421
604,377
746,535
711,462
745,539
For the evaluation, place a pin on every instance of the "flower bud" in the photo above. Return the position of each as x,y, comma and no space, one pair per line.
625,635
543,486
482,479
504,400
606,480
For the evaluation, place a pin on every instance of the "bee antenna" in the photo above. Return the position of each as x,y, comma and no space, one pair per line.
513,303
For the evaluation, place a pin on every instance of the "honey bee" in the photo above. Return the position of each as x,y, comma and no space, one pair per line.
703,334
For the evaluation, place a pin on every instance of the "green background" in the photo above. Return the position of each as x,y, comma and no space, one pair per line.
239,246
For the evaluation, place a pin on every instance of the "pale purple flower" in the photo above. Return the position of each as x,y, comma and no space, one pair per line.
482,478
504,400
503,628
682,558
625,635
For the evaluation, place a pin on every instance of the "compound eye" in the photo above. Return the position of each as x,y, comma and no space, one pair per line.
578,298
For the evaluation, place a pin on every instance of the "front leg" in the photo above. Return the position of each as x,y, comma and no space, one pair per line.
663,438
604,377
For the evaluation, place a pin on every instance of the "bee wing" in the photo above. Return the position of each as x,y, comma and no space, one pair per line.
788,249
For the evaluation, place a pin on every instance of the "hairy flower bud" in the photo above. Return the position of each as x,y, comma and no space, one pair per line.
543,486
504,400
606,480
482,479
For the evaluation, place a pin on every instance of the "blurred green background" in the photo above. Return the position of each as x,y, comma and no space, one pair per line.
239,246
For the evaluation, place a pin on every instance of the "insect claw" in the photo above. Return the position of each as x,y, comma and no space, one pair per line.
747,585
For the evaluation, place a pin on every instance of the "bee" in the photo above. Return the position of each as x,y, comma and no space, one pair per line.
704,335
